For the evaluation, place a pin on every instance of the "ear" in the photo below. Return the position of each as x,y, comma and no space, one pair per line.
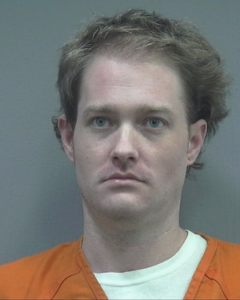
66,132
197,133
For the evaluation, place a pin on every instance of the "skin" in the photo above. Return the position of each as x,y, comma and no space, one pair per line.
131,146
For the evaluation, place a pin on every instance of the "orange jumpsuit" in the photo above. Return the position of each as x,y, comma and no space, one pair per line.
63,273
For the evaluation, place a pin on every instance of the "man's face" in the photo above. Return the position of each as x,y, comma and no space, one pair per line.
132,144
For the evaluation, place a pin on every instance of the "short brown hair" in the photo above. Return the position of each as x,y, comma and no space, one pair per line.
145,34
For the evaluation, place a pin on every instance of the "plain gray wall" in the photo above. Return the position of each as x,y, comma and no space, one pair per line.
40,201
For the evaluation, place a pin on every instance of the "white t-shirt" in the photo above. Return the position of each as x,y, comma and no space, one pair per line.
167,280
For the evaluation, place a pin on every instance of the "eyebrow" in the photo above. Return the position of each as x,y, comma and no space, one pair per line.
110,109
104,108
154,109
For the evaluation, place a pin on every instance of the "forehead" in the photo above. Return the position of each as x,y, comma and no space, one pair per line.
117,81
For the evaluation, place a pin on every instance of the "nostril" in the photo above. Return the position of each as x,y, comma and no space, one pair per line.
125,148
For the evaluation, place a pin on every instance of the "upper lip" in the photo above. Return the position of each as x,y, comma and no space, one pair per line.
123,176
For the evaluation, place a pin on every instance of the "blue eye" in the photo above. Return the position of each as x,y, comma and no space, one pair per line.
100,122
154,123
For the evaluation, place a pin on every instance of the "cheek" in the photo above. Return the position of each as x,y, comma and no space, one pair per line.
172,158
83,169
88,156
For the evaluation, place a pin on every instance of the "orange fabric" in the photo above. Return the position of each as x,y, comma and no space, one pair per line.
63,273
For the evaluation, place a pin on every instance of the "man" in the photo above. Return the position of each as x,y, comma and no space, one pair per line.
139,94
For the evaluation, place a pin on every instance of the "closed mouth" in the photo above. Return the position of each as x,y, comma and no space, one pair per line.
123,177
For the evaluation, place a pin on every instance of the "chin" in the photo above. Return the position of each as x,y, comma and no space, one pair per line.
125,207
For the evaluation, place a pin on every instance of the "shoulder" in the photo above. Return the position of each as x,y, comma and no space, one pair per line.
30,264
228,256
228,248
40,271
224,252
224,267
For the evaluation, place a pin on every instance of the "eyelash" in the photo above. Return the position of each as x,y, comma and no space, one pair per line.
97,118
163,122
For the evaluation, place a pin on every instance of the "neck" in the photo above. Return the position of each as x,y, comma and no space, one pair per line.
118,250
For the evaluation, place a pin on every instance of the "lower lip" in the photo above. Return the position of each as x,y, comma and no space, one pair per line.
122,181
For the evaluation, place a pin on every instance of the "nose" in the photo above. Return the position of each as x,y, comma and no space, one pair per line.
125,148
